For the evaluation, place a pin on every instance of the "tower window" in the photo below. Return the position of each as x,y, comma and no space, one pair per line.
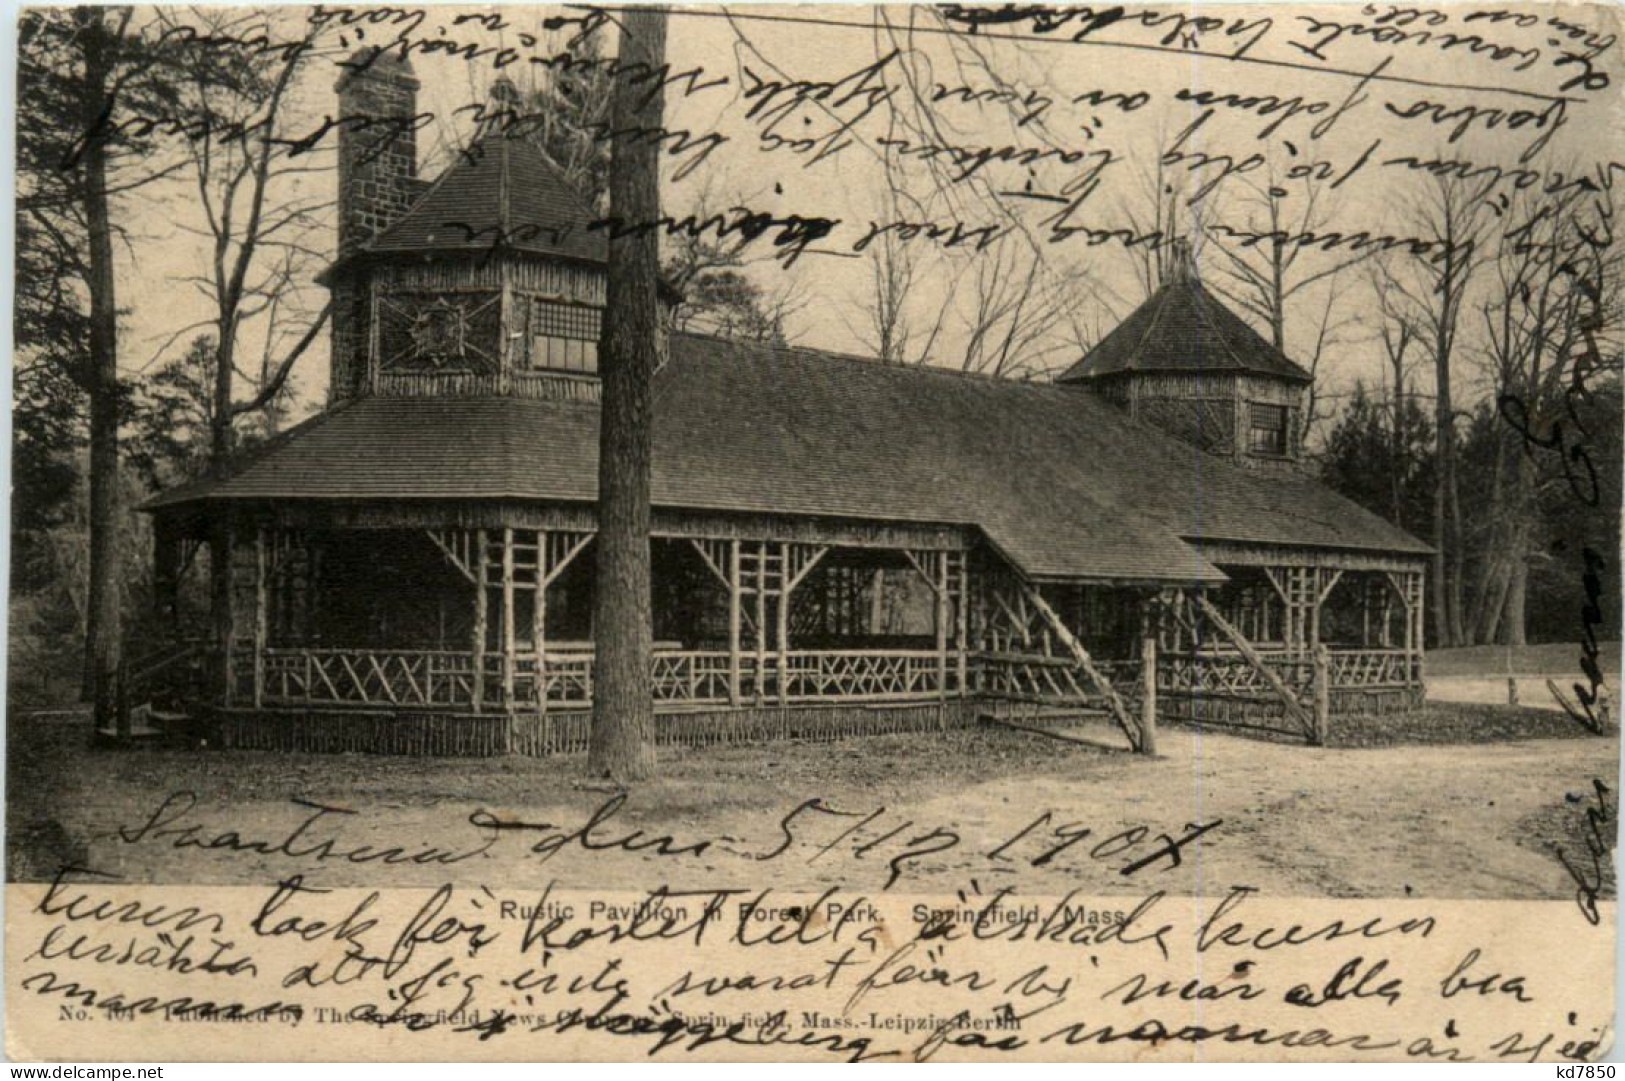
1266,429
563,337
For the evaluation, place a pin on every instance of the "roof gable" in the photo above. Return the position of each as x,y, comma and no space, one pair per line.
501,191
1184,328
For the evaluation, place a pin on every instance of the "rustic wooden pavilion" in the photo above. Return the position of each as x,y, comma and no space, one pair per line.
840,546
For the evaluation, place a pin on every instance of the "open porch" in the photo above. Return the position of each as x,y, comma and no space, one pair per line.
471,633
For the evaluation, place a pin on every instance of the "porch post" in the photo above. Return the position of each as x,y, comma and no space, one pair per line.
941,587
783,622
508,642
1149,611
962,630
260,615
1313,637
1416,633
761,622
224,621
481,576
733,622
538,623
1323,696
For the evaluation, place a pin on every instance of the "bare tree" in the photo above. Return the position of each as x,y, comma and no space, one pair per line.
1397,336
1264,279
1553,268
1019,321
711,277
1429,291
262,227
623,701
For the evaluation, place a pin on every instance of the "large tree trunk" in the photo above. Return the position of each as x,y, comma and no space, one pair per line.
1437,580
1525,511
1396,463
1488,593
1512,623
104,625
623,707
1446,541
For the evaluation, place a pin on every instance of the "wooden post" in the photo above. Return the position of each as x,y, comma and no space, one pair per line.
225,619
941,587
783,628
260,616
480,601
538,623
761,622
1323,695
963,628
734,583
1288,697
1313,636
1102,685
1418,633
509,642
1148,677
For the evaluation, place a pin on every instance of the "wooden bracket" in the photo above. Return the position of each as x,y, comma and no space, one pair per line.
457,546
1294,708
1080,655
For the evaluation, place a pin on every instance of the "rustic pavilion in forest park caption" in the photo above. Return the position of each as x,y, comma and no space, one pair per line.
839,546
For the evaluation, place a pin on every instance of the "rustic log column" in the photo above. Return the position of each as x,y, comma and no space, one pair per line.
538,623
1148,676
481,576
1365,615
260,615
1313,637
941,587
782,630
734,613
225,624
1323,696
1417,634
761,622
963,625
509,644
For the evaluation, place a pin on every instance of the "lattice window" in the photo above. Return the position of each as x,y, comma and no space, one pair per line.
1266,429
439,332
563,337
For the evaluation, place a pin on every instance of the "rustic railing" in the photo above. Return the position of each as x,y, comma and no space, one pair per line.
1374,668
870,675
1036,677
565,679
1226,674
430,678
367,677
1230,675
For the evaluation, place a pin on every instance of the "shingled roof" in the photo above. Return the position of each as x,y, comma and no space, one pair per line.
500,191
1063,484
1184,328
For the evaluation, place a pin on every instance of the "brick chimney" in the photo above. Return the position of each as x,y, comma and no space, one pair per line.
377,151
378,155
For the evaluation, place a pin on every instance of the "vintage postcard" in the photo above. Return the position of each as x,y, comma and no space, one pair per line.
815,533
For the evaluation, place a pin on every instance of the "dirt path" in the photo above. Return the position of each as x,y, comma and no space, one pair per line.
1434,821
